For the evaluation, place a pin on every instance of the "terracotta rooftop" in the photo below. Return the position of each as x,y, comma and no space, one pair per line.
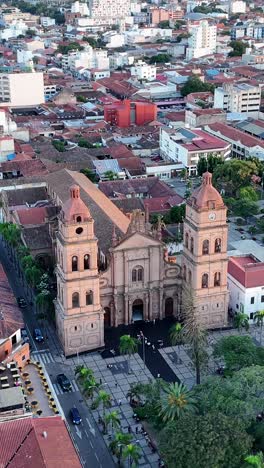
247,271
152,186
38,442
206,193
222,130
10,315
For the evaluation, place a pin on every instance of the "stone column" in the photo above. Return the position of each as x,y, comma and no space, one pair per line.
129,310
150,305
146,308
161,304
126,310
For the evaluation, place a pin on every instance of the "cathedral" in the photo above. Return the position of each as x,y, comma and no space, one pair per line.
138,281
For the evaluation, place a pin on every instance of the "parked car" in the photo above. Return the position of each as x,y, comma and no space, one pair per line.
75,416
64,382
21,302
24,335
38,335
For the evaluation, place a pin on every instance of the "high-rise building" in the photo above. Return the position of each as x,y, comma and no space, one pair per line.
204,262
107,10
21,89
202,40
242,97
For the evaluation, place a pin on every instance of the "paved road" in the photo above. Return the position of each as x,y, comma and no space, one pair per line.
89,441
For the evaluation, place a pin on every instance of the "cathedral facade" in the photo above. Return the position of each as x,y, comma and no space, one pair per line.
140,282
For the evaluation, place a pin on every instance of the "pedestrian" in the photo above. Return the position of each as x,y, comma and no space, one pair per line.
158,376
153,347
129,429
119,402
154,321
100,381
136,430
116,384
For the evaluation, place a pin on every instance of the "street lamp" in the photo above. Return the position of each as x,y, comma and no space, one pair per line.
76,350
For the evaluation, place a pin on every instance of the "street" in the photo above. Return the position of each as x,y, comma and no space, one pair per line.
87,438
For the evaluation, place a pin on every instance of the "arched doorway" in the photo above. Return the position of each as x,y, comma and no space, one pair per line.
137,310
107,317
169,307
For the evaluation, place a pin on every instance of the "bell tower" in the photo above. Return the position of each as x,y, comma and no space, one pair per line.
79,315
204,262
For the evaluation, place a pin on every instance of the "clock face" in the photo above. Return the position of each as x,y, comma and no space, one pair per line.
211,216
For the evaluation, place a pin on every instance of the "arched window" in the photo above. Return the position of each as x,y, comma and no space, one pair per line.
75,300
86,262
89,298
137,274
205,280
79,219
217,245
187,240
190,277
74,263
206,247
191,247
217,279
184,272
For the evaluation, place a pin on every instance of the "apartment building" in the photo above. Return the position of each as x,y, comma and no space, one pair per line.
202,40
112,10
241,97
188,146
21,89
143,71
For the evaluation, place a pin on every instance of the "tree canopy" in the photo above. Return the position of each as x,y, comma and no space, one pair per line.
239,48
234,175
208,164
195,85
160,58
238,352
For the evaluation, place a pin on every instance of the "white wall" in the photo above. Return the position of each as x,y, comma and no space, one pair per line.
241,296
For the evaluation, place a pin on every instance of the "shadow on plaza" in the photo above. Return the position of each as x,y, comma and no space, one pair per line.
157,336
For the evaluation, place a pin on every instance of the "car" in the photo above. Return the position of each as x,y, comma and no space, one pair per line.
75,416
64,382
21,302
24,335
38,335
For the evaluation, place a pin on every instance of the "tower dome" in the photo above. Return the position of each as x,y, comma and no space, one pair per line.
206,196
74,209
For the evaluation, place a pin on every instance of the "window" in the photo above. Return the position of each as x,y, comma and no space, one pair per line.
191,247
89,298
205,280
86,262
217,245
137,274
206,247
251,315
75,300
252,300
217,279
187,240
79,219
75,328
23,358
74,263
262,298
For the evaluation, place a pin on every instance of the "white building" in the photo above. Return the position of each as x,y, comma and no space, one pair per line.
24,56
14,29
21,89
143,71
120,59
241,97
137,35
80,7
246,284
109,9
188,146
113,39
237,6
202,40
46,21
88,58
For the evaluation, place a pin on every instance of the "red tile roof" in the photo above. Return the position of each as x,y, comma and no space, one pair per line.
233,134
32,216
247,271
24,445
204,141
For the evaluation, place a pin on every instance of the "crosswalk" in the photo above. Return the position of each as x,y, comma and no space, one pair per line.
45,357
59,391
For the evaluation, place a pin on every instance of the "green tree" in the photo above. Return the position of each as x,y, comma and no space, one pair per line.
160,58
211,441
128,345
59,145
208,164
255,460
91,41
43,301
241,321
234,175
132,454
259,319
195,85
103,398
110,175
120,441
27,262
83,143
176,334
248,193
177,213
89,174
83,373
90,386
65,49
239,48
237,352
33,275
194,334
113,420
245,207
164,24
176,399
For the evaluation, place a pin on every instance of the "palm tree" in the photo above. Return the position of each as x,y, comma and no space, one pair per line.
83,373
120,440
90,386
241,321
27,262
112,419
43,300
132,453
33,275
128,345
135,392
23,251
176,334
103,398
176,400
255,460
259,319
194,334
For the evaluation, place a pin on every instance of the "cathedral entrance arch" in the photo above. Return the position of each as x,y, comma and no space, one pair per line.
169,307
137,310
107,317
